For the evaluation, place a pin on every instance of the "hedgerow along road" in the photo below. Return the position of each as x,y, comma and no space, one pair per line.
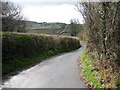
60,71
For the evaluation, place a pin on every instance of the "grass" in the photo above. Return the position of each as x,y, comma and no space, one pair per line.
95,72
65,34
92,76
46,27
84,42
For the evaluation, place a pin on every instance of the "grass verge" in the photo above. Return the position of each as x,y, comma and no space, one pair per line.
93,76
84,42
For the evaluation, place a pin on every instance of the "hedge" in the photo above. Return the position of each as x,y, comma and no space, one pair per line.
20,50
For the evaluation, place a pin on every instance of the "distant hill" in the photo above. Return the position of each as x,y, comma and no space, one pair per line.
44,27
33,23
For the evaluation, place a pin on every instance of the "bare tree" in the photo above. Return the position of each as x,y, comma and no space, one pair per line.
74,27
12,20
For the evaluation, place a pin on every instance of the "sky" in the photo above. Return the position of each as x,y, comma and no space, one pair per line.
49,10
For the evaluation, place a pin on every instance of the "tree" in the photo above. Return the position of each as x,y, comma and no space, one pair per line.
12,20
74,27
102,23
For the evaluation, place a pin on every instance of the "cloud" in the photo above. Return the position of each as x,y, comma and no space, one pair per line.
44,0
49,10
55,13
41,2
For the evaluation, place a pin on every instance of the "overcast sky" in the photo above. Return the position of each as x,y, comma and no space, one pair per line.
49,10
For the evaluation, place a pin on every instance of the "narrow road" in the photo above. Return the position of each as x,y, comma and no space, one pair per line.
57,72
64,30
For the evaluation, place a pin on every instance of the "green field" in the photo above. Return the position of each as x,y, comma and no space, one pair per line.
66,34
46,27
